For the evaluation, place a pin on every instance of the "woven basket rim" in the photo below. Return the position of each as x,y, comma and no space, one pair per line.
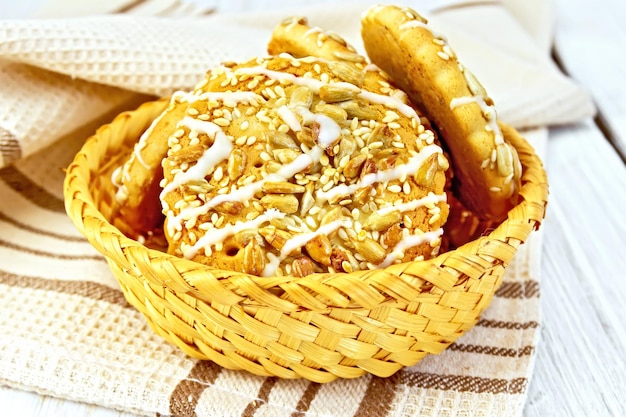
80,206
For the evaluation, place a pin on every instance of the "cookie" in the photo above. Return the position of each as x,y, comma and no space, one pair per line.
291,166
487,169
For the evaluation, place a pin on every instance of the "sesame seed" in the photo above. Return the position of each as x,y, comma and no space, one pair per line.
345,202
222,121
251,140
395,188
310,221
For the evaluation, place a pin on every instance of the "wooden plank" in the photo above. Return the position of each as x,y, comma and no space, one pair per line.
18,403
589,43
580,364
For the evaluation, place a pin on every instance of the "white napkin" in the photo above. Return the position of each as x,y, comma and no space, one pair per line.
58,74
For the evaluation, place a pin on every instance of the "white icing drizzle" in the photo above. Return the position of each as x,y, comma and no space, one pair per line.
312,31
419,24
219,235
121,193
216,153
414,205
298,241
314,84
382,176
329,131
390,102
488,110
408,242
229,98
246,192
290,118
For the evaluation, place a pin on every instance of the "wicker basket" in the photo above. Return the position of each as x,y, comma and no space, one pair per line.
319,327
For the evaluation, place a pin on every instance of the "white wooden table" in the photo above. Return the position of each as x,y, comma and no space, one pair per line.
580,365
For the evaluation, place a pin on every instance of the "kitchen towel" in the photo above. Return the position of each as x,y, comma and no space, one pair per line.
65,328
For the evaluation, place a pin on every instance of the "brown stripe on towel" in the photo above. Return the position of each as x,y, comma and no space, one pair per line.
378,397
85,289
9,147
492,350
29,228
463,383
31,191
46,254
524,289
128,7
509,325
185,396
306,399
262,397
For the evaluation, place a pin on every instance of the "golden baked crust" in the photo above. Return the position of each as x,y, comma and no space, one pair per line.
293,166
295,37
137,179
487,169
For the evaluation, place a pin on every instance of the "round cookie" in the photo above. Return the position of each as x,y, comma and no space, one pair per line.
291,166
487,168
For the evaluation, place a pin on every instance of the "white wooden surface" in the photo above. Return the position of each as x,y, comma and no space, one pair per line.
580,368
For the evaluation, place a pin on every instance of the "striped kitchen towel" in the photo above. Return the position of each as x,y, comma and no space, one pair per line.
66,329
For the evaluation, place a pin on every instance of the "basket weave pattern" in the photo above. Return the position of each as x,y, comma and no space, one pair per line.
319,327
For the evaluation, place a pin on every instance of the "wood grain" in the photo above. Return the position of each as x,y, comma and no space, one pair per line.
580,360
589,45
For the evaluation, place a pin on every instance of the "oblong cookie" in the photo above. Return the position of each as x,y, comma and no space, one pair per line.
295,37
487,169
136,180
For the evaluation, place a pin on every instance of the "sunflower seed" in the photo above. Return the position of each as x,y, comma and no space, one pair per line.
302,266
319,248
281,140
332,93
282,187
378,222
253,258
504,160
353,168
287,203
